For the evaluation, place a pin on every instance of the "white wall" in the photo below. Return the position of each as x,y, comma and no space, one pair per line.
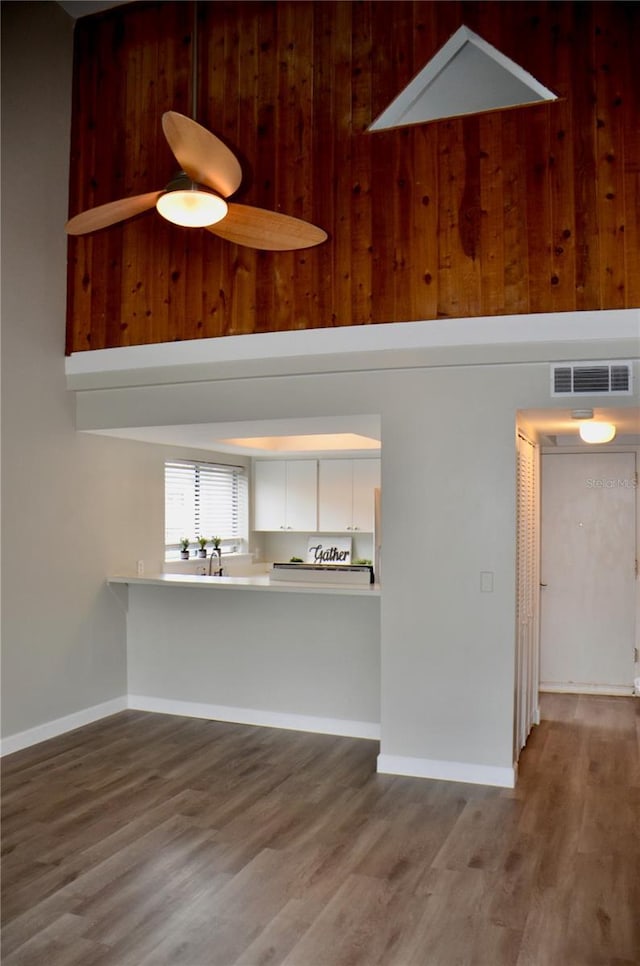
263,657
75,508
62,640
448,513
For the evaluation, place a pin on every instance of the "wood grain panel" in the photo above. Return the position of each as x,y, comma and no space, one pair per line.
516,263
340,184
529,210
265,173
469,218
243,109
423,288
630,83
587,240
294,162
610,157
539,231
401,197
492,238
450,189
562,280
361,175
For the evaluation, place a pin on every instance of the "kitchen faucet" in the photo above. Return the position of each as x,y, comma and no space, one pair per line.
218,572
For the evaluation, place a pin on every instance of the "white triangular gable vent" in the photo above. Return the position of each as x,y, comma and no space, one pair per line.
466,76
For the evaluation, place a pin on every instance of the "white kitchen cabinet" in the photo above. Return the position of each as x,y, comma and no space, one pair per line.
286,495
345,495
366,477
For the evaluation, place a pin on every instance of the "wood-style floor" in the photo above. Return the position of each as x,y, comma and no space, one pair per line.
150,840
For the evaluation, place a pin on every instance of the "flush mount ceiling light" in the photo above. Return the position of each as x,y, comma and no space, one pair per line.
189,204
593,432
597,432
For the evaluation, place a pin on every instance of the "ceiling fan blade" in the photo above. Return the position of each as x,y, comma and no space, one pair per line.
111,213
201,154
267,230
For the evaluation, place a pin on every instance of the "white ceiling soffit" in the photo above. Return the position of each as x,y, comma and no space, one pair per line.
466,76
215,436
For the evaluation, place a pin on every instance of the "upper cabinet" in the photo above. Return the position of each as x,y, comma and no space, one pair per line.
286,495
345,494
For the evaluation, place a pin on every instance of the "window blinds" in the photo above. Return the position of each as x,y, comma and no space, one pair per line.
205,500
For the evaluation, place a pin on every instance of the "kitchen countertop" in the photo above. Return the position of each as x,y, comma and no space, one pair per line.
258,582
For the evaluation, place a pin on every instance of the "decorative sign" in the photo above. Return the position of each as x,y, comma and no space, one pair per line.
329,550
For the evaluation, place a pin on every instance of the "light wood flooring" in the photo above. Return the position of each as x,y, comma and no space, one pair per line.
151,840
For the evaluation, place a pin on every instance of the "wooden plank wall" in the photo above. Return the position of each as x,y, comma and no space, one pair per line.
534,209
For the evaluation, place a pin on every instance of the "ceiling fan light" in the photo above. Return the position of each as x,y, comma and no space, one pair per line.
597,432
192,208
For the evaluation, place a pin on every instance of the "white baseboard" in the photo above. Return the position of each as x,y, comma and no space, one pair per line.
343,727
450,771
51,729
613,690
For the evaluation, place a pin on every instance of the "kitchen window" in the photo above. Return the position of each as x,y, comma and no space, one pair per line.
204,500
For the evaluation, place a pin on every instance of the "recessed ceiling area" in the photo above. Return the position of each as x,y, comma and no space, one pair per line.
466,76
325,442
319,435
557,427
343,435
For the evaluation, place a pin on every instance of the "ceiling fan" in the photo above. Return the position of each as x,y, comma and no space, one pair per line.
195,198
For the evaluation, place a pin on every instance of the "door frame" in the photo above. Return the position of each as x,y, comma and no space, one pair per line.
527,630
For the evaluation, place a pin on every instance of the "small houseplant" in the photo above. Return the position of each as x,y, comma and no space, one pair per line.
216,550
202,552
184,552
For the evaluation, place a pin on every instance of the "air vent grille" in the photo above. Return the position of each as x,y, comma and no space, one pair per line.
591,379
620,378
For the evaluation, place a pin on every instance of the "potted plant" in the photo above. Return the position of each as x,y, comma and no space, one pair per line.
216,550
184,553
202,552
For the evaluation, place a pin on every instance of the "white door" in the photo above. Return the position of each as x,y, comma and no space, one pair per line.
588,572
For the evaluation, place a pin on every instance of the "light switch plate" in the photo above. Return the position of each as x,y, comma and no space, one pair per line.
486,581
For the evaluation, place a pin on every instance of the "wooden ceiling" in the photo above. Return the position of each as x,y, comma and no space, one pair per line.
532,209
